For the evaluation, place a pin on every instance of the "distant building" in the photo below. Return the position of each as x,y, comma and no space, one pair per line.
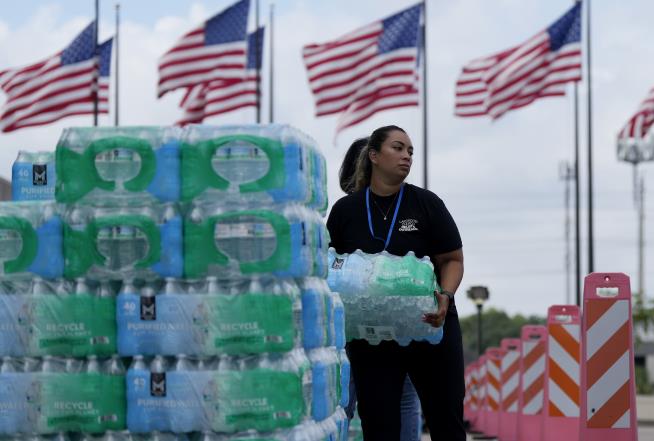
5,190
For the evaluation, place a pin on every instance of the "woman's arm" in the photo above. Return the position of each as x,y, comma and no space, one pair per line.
450,273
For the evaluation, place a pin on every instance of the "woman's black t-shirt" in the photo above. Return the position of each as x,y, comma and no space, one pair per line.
423,224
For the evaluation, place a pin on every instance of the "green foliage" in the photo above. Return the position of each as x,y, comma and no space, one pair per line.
496,325
643,386
643,312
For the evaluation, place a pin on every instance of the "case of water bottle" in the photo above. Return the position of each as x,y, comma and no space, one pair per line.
212,317
143,241
31,238
65,318
51,395
385,295
264,163
243,241
106,165
226,394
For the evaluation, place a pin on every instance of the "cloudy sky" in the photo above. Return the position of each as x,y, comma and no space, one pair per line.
499,179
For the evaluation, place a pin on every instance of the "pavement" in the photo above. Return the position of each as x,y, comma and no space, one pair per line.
645,433
644,411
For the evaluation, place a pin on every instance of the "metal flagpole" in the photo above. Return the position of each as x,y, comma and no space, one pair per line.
577,202
425,138
117,72
591,260
95,77
641,239
271,65
257,57
566,173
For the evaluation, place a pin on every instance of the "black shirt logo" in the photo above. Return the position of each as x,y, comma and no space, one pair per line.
39,174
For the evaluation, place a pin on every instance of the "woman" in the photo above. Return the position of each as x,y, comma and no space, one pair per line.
410,419
385,213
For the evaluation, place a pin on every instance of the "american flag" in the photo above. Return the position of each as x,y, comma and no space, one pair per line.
514,78
222,96
214,51
59,86
635,140
371,69
640,123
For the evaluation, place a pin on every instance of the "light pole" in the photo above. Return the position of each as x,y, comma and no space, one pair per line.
478,294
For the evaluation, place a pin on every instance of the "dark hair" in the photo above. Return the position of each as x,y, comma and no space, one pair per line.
349,164
363,170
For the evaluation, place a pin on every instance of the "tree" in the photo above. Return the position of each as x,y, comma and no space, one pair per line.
496,325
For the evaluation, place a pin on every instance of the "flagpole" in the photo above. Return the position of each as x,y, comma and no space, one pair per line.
257,56
577,201
591,259
425,138
116,74
95,78
271,87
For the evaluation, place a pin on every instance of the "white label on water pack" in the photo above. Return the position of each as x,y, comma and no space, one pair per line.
375,334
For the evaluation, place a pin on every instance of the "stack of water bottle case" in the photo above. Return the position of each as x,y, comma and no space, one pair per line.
197,258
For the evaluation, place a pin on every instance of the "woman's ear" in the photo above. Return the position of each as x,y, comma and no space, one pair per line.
372,154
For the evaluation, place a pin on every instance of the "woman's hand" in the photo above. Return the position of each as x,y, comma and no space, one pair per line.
436,319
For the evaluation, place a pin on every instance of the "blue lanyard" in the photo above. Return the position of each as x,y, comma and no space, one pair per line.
390,231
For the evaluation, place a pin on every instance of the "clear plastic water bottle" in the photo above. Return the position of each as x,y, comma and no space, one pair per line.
339,321
183,364
8,365
138,363
114,366
313,313
81,287
158,365
31,364
52,365
344,374
93,365
33,176
74,365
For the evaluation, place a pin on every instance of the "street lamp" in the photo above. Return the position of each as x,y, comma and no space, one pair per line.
478,294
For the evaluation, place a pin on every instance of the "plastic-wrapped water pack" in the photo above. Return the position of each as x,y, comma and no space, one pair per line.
109,165
143,241
229,242
260,163
213,317
385,295
31,240
226,394
61,394
65,318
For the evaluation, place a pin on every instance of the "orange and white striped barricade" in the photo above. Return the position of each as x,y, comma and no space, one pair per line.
481,383
467,403
532,379
562,372
510,379
608,388
476,396
493,390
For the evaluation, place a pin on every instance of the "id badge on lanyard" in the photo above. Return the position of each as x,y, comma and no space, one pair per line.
390,231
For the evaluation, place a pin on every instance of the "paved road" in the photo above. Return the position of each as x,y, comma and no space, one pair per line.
645,433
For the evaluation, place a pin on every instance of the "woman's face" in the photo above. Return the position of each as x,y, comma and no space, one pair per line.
395,157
